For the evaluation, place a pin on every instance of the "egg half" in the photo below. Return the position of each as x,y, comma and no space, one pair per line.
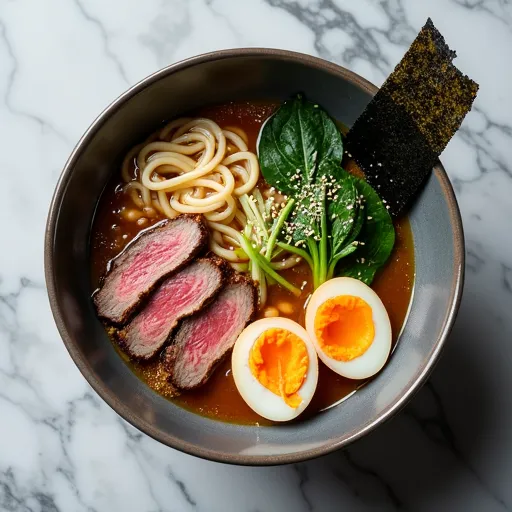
275,368
350,328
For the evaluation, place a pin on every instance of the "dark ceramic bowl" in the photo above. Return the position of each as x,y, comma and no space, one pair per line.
214,78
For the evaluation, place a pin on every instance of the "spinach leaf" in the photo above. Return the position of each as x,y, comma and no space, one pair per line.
358,222
295,142
300,152
307,216
342,211
377,237
349,249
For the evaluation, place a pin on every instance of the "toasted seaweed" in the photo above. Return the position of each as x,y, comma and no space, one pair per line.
397,139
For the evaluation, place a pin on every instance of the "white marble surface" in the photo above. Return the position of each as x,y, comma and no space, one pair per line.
62,448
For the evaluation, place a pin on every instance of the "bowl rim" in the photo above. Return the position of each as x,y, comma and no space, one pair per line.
123,410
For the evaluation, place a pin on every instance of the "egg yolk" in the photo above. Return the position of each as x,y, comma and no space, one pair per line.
279,361
344,327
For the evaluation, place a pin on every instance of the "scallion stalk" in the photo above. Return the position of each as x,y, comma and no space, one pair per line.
276,229
323,245
299,252
262,262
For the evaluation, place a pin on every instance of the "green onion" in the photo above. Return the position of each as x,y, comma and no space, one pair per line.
276,229
262,262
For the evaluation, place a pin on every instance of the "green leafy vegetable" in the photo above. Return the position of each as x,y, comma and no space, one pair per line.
343,209
359,219
331,214
295,142
376,238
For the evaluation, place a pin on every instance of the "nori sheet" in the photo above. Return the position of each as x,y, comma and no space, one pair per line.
397,139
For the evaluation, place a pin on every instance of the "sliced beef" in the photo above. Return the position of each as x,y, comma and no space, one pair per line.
177,297
203,339
148,259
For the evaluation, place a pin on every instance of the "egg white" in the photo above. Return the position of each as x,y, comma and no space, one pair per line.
260,399
375,357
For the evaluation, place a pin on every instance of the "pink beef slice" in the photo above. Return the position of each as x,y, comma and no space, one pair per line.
203,339
142,265
177,297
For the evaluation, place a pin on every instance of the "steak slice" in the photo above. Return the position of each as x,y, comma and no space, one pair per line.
177,297
145,261
205,338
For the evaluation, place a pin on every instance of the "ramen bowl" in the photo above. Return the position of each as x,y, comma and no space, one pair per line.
219,77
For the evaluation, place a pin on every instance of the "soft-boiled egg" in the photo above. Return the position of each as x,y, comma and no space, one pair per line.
275,368
350,327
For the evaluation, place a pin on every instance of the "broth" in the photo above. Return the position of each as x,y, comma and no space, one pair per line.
219,398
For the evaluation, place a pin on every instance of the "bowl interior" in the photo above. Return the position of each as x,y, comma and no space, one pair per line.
206,80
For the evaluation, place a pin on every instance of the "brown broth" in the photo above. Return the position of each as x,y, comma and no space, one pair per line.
219,398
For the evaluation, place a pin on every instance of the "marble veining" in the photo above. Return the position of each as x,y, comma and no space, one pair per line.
61,448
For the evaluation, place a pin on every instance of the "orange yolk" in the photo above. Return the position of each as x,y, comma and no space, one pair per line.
344,327
279,361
